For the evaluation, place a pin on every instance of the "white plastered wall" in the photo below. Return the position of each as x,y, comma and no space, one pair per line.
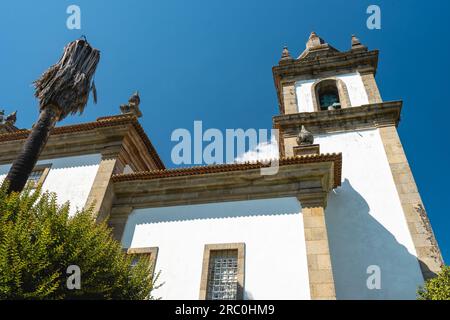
272,230
71,178
365,221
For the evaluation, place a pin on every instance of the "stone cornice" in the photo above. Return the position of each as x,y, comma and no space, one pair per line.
348,119
120,136
336,62
199,170
309,178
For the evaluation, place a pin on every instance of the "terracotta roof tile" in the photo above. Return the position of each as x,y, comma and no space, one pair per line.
99,123
209,169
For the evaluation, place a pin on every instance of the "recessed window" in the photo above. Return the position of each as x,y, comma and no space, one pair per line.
38,175
150,252
223,272
328,95
222,275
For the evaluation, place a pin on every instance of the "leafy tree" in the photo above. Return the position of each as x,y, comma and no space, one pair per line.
437,288
39,241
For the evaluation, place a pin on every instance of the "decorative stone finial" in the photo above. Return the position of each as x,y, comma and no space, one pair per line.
305,137
316,47
314,41
132,106
135,99
312,35
7,122
355,41
285,56
356,44
10,119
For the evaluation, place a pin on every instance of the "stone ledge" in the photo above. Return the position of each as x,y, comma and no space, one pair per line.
204,171
348,119
310,182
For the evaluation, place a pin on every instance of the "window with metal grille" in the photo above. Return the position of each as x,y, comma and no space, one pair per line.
222,275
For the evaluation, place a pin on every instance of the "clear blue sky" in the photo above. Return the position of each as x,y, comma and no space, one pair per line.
211,61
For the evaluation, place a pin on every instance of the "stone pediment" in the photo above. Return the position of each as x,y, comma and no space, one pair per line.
316,47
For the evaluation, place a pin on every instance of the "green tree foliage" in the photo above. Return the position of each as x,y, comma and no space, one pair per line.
39,241
437,288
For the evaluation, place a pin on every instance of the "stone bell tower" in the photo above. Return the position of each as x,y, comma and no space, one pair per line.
376,220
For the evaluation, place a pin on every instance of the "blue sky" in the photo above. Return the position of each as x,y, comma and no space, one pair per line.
211,61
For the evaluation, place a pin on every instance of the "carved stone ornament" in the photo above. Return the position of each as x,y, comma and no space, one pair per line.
305,137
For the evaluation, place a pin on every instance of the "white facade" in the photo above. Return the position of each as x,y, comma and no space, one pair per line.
355,87
365,222
272,230
71,178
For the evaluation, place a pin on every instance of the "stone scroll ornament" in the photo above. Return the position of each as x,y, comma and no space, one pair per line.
61,90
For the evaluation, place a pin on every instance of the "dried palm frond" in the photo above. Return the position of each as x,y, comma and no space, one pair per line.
67,84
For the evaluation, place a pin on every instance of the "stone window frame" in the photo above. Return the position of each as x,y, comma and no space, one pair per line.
150,251
45,168
240,247
341,87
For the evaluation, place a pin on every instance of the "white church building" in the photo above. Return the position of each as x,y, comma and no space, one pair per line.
342,218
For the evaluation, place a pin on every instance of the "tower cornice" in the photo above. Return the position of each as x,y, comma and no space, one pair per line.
347,119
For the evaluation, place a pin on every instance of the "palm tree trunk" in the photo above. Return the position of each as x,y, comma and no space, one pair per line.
29,155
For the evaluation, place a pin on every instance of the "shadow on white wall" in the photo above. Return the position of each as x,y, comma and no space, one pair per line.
357,241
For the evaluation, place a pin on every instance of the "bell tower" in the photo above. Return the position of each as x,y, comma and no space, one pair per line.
376,218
